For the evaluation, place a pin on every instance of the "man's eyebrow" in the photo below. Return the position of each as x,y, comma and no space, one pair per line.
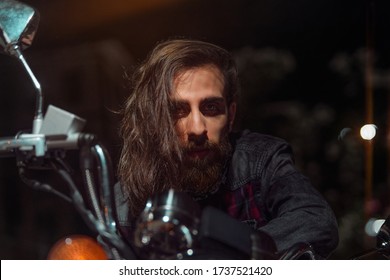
208,99
178,102
213,99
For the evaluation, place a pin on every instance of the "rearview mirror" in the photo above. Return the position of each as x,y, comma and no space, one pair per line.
18,25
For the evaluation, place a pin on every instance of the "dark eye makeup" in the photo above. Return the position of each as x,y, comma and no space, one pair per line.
209,107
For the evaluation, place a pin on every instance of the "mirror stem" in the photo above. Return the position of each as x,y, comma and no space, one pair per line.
38,118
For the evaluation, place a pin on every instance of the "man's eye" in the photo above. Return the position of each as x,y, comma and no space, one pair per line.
179,112
212,109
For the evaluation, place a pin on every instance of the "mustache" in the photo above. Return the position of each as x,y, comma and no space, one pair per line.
207,145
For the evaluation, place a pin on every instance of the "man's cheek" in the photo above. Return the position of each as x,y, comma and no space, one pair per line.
180,132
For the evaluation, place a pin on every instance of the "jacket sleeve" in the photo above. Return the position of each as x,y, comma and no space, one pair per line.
296,211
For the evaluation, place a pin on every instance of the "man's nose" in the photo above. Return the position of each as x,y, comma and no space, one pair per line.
197,130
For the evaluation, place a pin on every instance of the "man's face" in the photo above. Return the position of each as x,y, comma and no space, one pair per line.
203,121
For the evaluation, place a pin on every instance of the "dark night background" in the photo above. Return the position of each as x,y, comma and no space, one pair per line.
303,67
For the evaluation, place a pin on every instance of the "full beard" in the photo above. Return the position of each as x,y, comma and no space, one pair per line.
200,176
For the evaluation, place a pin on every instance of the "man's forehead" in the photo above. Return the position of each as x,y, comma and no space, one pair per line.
187,73
205,80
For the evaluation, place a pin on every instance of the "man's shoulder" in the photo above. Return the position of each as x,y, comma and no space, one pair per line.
253,153
254,142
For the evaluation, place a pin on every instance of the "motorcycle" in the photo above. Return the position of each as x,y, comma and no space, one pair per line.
171,225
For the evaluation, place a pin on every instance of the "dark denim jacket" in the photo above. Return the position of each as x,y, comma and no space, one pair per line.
262,188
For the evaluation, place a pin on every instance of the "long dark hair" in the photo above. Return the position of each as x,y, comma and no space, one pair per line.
151,156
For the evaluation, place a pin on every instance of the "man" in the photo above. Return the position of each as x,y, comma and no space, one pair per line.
177,133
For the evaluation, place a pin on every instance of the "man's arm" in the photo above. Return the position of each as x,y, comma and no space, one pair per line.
297,211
